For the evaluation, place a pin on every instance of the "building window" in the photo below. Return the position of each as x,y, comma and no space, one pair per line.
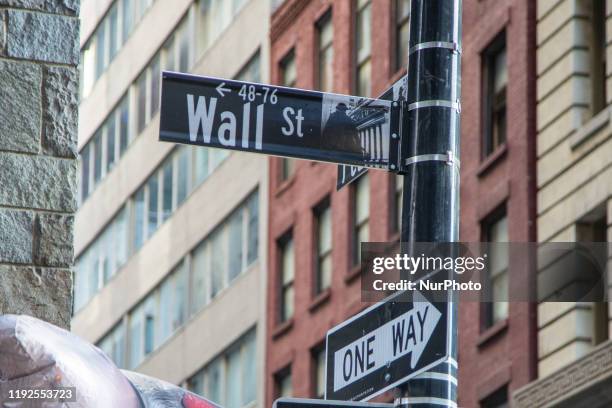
597,50
325,69
318,361
288,70
496,231
155,201
167,187
139,219
287,274
230,379
212,17
287,169
282,380
84,155
104,149
183,173
323,255
361,216
236,245
288,78
397,196
164,310
251,72
108,38
113,344
154,218
175,54
594,228
363,47
498,399
495,70
148,93
402,31
111,142
97,156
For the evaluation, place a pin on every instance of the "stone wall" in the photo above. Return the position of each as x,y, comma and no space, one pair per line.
39,53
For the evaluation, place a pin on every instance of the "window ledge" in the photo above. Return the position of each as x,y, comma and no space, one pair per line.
491,160
492,333
282,328
595,124
353,274
319,300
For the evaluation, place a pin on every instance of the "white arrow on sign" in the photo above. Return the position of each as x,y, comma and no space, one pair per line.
221,89
408,333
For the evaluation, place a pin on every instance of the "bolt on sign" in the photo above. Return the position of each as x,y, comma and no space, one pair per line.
276,120
384,346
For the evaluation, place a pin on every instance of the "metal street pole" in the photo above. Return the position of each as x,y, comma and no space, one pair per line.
430,207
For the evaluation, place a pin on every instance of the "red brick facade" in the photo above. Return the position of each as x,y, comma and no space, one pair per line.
504,354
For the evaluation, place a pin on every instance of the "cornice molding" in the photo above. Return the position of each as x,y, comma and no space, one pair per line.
284,16
567,382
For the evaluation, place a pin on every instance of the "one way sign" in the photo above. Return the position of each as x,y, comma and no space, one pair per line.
384,346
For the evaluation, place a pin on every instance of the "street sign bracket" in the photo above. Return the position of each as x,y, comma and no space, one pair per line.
396,137
453,46
448,158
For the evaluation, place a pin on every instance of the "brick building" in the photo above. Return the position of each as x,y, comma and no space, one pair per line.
358,47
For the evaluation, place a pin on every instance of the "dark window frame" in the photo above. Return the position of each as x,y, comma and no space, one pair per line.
357,63
290,57
497,399
395,34
493,105
279,376
326,18
354,260
281,244
486,308
597,51
314,352
317,211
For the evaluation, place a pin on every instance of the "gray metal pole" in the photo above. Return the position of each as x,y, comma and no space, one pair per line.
430,210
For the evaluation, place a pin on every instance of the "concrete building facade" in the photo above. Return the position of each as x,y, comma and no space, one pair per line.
170,240
574,149
359,47
38,156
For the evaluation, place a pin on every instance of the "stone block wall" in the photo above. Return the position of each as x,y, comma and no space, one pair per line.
39,54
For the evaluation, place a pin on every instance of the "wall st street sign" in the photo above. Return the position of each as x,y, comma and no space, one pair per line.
396,93
277,120
317,403
384,346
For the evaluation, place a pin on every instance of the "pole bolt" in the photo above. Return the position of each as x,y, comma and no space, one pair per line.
394,135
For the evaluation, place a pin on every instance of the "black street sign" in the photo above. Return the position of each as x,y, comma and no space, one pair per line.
384,346
317,403
347,173
276,120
